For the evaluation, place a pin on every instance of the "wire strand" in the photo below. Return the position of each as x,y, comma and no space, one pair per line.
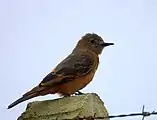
143,114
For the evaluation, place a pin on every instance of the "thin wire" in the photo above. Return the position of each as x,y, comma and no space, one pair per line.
143,113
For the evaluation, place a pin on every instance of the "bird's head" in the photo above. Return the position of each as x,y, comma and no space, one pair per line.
92,42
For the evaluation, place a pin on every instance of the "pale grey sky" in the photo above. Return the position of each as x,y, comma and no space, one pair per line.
32,31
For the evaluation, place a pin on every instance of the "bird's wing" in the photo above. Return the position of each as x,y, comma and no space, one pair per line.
70,68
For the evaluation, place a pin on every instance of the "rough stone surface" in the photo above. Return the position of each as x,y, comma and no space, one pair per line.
67,108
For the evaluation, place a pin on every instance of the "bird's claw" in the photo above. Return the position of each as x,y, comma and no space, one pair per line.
78,93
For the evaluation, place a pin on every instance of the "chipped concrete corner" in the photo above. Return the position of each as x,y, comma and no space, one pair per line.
67,108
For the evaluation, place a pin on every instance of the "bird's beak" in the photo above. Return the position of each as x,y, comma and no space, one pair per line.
107,44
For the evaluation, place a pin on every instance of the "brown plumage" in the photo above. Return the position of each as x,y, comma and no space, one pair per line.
73,73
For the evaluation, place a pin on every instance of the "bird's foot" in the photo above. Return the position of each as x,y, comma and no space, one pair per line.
78,93
64,95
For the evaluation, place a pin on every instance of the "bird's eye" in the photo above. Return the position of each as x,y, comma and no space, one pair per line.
92,41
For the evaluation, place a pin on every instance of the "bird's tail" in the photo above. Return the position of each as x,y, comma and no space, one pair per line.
22,99
31,94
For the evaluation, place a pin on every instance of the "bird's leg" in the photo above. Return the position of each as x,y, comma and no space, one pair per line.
78,93
65,95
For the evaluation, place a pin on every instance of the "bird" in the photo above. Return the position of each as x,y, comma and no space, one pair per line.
72,74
